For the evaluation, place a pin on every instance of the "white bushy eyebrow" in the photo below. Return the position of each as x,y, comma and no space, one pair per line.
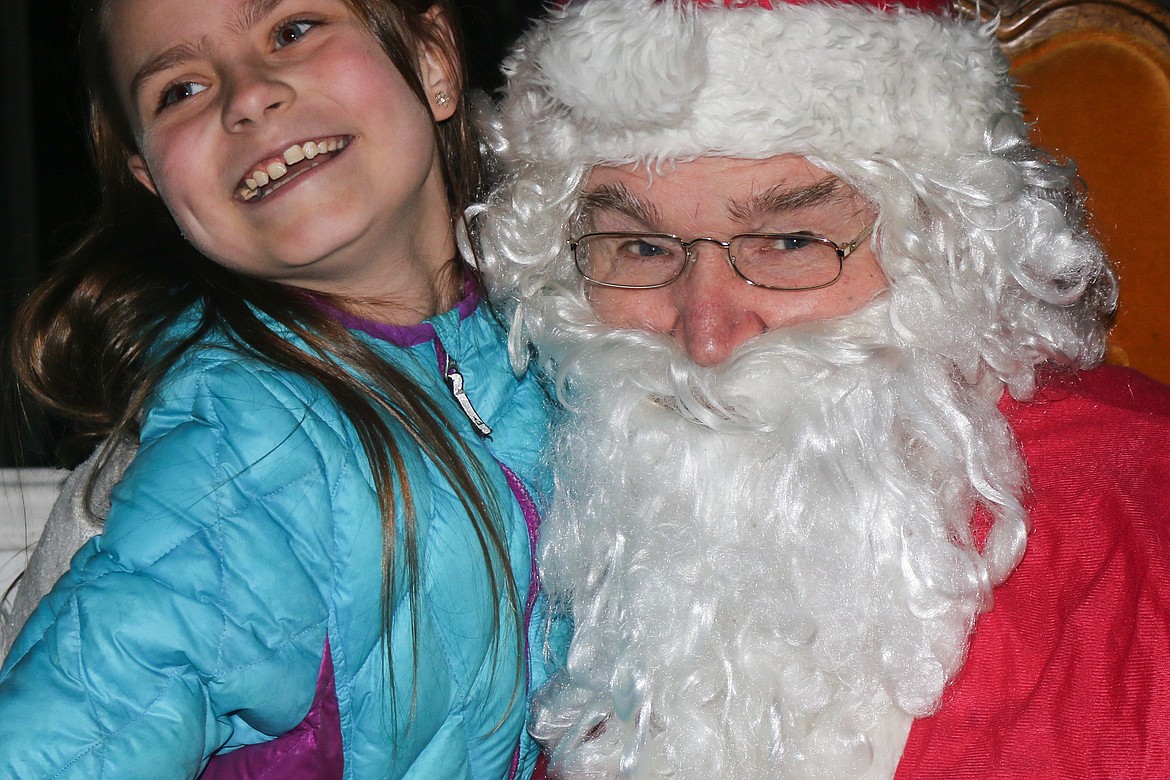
781,198
617,198
777,199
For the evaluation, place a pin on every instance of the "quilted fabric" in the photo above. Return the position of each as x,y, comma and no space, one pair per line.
245,535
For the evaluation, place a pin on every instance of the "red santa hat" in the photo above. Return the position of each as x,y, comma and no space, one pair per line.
614,81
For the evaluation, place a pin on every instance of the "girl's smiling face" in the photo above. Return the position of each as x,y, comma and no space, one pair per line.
224,94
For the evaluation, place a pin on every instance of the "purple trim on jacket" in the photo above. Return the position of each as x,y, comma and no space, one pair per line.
311,750
532,520
409,335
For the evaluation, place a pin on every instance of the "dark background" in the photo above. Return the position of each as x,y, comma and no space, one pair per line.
49,188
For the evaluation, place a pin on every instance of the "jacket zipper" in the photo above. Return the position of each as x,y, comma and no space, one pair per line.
455,384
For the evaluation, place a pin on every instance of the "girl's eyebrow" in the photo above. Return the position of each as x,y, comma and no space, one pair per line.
248,15
616,197
168,58
780,198
252,11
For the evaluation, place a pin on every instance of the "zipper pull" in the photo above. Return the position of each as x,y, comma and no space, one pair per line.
455,382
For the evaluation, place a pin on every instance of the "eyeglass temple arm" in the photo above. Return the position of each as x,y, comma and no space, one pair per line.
852,245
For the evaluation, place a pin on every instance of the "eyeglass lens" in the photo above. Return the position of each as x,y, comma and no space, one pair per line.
784,261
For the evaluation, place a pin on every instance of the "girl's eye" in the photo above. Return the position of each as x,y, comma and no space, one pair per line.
179,92
291,32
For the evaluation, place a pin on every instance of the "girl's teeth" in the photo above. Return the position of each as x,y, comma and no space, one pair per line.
294,154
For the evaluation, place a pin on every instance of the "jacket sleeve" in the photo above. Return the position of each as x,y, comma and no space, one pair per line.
197,619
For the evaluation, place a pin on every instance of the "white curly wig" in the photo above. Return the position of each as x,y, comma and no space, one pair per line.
981,236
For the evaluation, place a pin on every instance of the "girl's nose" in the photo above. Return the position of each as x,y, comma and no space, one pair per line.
253,94
714,311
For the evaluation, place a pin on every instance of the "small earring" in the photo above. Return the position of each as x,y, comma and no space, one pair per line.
442,99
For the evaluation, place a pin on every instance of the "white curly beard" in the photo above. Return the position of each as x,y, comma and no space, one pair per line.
770,565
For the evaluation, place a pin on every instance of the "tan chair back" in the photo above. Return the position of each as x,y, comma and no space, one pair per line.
1095,79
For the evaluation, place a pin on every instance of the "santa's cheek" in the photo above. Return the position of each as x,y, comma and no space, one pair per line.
636,309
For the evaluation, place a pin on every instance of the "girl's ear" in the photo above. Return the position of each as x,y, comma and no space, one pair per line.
140,172
439,66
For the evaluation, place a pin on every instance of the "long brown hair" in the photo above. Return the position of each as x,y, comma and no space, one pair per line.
84,344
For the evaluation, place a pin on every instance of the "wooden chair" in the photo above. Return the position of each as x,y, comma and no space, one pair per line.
1094,77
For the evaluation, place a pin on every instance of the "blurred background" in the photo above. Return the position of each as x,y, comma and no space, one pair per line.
49,189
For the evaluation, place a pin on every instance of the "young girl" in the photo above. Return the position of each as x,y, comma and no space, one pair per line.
319,562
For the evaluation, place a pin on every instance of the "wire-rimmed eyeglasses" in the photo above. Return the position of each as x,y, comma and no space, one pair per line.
773,261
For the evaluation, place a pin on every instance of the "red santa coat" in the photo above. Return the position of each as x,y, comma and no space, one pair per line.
1068,675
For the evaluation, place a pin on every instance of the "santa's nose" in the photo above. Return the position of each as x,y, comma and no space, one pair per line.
715,315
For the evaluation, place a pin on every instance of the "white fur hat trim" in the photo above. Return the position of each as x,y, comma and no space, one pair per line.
614,81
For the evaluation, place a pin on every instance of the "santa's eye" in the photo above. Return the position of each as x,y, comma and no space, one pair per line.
643,248
790,242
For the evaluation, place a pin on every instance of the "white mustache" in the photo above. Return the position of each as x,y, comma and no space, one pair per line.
729,397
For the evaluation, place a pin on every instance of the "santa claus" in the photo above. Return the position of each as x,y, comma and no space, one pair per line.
840,491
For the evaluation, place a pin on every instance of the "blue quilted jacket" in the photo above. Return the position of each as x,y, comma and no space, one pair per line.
235,593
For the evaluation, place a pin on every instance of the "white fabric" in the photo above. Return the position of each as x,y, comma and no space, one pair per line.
70,525
611,81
